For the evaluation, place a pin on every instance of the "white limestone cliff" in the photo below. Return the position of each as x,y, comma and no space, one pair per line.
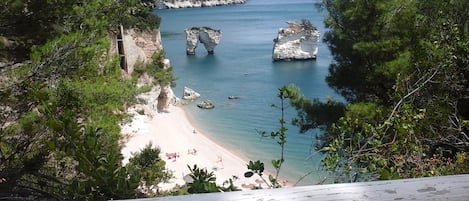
205,35
299,41
136,46
195,3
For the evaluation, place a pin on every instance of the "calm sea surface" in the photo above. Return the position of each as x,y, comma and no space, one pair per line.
242,66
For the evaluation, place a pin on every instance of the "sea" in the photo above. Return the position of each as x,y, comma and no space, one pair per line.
242,66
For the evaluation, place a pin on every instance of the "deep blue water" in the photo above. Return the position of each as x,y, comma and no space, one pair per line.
242,66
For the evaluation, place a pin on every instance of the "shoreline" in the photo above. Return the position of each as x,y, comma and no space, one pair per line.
182,144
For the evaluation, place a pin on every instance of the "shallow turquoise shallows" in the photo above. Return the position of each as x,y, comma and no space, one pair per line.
242,66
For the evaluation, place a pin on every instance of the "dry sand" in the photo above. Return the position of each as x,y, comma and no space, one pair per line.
175,135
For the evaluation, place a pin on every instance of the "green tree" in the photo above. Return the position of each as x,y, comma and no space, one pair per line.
202,181
25,24
150,167
369,41
416,123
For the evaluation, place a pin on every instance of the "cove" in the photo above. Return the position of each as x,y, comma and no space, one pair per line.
242,66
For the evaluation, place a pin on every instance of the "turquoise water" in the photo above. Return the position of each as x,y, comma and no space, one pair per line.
242,66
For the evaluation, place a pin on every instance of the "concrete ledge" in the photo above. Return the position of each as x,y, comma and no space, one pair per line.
430,188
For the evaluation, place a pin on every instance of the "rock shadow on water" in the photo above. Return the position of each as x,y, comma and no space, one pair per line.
294,65
172,35
207,60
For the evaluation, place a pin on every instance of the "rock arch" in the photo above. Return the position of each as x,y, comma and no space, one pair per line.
205,35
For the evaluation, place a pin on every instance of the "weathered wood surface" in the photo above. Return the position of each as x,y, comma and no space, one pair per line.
431,188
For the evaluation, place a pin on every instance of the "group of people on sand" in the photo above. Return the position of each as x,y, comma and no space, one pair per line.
175,155
192,151
172,156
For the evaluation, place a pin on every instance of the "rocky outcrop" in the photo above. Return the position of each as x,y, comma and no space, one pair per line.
299,41
205,35
195,3
166,97
159,97
207,104
136,46
189,94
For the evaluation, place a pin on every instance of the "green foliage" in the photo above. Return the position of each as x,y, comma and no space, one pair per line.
313,113
461,164
286,92
202,181
139,68
228,185
403,65
149,167
32,23
102,177
139,15
61,110
157,69
256,168
366,38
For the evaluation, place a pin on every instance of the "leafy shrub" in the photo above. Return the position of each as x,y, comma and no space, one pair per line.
149,167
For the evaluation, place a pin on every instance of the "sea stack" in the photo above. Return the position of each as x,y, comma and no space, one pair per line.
299,41
205,35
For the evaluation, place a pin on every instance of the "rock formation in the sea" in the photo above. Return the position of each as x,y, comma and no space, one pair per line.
190,94
206,104
205,35
195,3
299,41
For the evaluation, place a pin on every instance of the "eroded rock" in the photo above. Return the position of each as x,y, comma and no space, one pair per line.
206,104
190,94
205,35
299,41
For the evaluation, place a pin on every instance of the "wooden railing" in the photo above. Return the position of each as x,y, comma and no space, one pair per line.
430,188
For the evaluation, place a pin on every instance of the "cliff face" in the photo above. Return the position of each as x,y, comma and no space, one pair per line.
207,36
134,45
195,3
138,46
299,41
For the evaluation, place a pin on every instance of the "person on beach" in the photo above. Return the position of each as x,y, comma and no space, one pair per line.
220,161
192,151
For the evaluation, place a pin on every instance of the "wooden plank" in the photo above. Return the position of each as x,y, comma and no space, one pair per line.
431,188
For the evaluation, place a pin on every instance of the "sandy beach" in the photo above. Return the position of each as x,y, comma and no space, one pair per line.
176,136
